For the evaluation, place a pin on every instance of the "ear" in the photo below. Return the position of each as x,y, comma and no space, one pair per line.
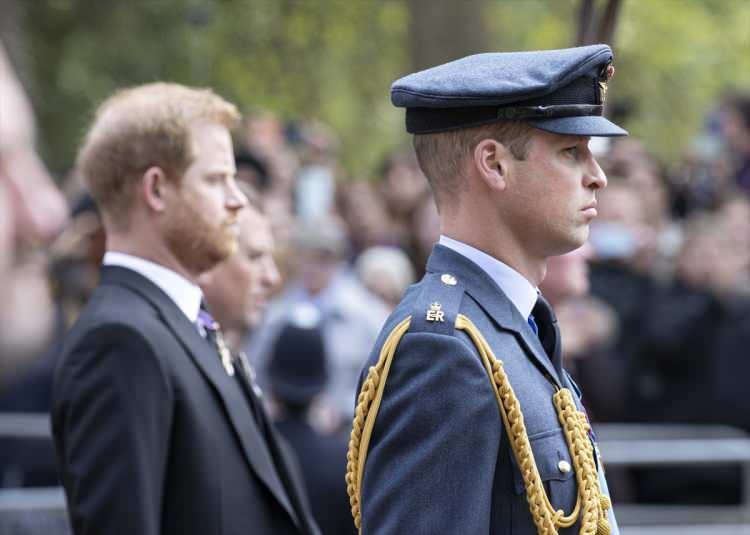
153,188
491,163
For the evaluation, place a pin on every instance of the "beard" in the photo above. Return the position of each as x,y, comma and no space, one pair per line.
196,243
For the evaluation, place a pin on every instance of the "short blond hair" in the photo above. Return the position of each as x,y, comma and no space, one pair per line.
140,127
443,155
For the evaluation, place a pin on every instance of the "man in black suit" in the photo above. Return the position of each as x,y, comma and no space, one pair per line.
157,431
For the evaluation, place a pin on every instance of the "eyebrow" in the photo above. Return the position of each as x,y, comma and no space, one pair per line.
221,173
567,139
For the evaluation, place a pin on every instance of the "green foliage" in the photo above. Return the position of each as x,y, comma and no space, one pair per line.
329,59
334,60
675,61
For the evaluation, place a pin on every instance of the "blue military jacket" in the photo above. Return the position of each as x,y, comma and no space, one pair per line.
439,461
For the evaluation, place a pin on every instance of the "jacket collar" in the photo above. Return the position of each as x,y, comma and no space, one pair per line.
480,286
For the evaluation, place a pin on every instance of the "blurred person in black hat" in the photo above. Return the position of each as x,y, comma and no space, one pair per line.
466,421
156,425
297,374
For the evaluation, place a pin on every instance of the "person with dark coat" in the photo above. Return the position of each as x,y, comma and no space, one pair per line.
156,427
297,374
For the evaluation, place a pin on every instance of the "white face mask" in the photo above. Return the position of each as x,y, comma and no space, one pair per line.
612,240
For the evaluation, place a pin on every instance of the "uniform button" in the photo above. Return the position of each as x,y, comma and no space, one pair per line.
564,466
448,279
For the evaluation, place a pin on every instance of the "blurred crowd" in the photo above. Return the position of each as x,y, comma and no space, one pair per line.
654,310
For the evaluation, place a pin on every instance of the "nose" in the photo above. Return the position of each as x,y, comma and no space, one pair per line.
271,275
236,200
594,177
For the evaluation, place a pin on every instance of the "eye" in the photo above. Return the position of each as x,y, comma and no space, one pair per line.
571,151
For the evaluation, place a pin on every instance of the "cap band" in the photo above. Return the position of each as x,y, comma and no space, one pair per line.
432,120
548,112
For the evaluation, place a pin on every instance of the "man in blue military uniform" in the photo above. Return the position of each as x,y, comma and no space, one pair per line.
466,421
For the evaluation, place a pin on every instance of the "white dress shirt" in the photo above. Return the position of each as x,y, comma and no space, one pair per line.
186,295
519,290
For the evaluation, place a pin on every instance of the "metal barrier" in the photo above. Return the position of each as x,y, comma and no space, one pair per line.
42,510
668,445
26,445
27,454
35,426
39,511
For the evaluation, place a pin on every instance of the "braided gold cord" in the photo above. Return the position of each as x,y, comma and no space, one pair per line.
591,505
364,417
576,428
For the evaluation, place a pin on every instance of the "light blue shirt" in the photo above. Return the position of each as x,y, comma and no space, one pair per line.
516,287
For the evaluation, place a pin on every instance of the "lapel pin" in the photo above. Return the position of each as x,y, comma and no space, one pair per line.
225,354
448,279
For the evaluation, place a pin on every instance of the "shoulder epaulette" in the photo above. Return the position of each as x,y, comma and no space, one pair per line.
437,305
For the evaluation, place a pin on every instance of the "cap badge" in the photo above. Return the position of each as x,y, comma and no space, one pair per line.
606,77
435,313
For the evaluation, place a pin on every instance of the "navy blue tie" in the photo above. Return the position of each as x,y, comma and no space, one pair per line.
532,324
547,330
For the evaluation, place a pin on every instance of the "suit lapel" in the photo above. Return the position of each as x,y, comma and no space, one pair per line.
493,300
206,359
236,406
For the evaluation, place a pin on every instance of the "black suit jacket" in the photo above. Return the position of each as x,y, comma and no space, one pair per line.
153,436
322,459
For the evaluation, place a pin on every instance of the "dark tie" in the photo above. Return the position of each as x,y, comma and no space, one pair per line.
547,330
245,376
235,365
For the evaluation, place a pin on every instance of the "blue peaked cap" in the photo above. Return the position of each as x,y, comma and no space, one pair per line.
560,91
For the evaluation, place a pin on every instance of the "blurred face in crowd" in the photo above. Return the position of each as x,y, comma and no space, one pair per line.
735,131
364,213
621,204
551,194
238,289
426,226
702,253
567,275
403,185
316,269
653,196
621,232
200,221
735,215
